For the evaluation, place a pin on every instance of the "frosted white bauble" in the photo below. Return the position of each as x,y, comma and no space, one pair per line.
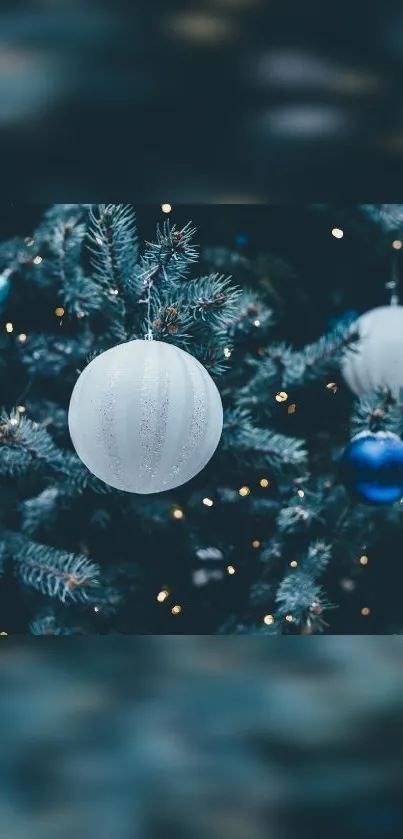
145,417
376,360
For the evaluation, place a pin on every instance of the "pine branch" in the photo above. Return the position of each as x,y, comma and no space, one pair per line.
259,445
377,412
169,258
317,358
26,445
39,510
47,624
296,594
213,299
69,577
113,245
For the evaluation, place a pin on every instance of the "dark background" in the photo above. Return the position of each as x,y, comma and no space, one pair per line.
328,277
207,100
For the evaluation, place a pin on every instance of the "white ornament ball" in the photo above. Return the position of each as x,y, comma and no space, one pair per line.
145,417
376,360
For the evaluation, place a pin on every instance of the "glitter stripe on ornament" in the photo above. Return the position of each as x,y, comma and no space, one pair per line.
106,409
198,423
154,413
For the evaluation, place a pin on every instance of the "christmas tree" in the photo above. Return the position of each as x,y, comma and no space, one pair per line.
269,537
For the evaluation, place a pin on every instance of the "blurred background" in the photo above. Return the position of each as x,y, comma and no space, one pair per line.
229,738
204,100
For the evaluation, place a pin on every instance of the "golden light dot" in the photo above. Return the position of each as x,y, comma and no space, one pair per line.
166,208
365,611
227,352
22,337
244,491
337,233
256,543
397,244
28,241
292,408
294,563
282,396
96,608
162,596
268,619
176,610
208,502
59,311
301,493
256,323
332,386
21,408
230,569
37,260
289,618
364,560
9,327
14,421
3,633
178,513
264,482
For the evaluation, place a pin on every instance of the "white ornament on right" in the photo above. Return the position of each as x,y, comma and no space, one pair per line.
376,360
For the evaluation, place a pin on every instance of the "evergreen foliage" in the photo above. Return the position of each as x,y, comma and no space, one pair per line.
88,558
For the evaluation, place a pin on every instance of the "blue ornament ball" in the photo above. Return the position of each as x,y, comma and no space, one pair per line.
372,467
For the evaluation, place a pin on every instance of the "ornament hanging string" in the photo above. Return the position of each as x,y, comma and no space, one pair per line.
148,282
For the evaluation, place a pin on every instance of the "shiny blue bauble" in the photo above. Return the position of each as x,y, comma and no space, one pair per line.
372,467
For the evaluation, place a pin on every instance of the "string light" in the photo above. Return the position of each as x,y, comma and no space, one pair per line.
230,569
268,619
14,421
37,260
397,244
264,482
332,386
98,240
243,491
113,291
364,560
59,312
176,610
294,563
9,327
21,409
80,314
3,633
96,608
177,513
227,352
22,337
289,618
166,208
301,493
256,323
292,408
365,611
29,242
256,543
282,396
208,502
337,233
162,596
